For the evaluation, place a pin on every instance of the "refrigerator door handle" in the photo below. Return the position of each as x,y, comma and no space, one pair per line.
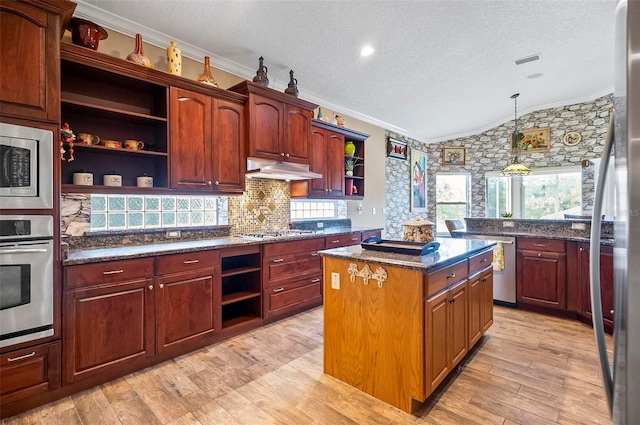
594,268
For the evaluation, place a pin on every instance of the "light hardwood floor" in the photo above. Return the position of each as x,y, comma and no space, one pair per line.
527,369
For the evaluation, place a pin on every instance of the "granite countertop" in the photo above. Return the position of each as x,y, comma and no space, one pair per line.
94,255
516,234
450,251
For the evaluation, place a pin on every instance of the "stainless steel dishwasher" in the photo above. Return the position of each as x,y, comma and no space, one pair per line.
504,280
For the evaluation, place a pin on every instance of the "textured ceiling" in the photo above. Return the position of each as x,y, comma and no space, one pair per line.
441,68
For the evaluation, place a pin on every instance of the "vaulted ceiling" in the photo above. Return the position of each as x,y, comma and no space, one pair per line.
441,68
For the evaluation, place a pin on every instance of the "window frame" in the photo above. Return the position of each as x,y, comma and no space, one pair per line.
442,230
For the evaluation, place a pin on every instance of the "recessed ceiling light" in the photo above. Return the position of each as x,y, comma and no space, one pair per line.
367,51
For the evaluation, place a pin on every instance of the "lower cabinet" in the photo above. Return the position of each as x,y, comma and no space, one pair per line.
606,283
338,241
480,304
29,371
541,272
446,328
241,291
108,316
186,298
292,277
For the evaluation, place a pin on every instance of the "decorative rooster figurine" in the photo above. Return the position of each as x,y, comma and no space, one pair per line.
66,136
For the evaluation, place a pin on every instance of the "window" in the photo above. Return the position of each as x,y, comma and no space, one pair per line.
122,212
452,199
546,194
301,210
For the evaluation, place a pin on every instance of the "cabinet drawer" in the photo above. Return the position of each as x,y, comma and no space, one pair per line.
187,261
480,261
376,233
29,371
441,279
292,247
342,240
285,297
291,267
108,272
539,244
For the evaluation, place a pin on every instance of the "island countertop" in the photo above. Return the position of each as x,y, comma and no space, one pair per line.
450,251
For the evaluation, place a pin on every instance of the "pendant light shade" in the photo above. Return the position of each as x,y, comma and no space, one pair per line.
515,168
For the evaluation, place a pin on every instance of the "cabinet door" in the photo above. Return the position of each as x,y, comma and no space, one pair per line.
106,327
266,128
437,365
185,307
486,302
606,282
475,309
229,162
335,164
30,71
297,134
541,278
190,144
318,162
458,322
292,297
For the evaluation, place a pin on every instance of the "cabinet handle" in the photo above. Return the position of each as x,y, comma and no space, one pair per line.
539,255
209,183
581,249
540,244
278,260
449,276
338,241
314,254
26,356
316,280
217,183
113,272
355,239
190,261
611,312
161,285
484,260
150,287
281,153
451,300
278,290
287,155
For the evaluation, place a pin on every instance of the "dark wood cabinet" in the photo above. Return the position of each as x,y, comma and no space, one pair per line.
606,283
30,69
186,299
207,137
108,317
279,124
29,371
541,272
292,277
339,241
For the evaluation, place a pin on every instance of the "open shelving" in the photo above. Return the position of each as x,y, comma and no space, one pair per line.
241,289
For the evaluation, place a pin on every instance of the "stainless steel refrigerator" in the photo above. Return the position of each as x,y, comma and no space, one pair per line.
622,379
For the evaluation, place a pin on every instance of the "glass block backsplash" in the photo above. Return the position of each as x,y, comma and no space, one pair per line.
123,212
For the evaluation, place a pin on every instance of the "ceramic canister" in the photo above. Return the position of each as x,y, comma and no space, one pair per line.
145,181
83,179
112,180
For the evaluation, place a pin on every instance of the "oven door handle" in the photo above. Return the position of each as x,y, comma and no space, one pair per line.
22,251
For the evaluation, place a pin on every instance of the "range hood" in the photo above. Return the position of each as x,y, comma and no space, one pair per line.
278,170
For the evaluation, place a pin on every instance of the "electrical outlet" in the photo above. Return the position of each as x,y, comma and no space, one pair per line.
320,225
335,280
508,224
373,210
578,226
173,233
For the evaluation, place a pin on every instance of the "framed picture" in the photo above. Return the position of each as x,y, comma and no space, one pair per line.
532,140
453,156
396,148
418,172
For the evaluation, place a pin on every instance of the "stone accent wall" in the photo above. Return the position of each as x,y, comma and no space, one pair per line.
489,151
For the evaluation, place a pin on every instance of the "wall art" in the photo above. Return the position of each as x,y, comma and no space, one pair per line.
418,181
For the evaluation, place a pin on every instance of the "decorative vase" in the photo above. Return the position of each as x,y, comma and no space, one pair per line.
207,76
292,88
174,59
86,33
349,173
138,56
349,149
319,114
261,74
348,188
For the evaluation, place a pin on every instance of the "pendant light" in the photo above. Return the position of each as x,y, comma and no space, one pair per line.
515,168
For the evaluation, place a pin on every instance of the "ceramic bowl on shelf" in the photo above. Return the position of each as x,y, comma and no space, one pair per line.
86,33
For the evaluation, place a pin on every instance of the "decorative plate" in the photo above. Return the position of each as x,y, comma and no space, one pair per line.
572,138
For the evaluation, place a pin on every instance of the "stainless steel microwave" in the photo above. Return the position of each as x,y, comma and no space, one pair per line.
26,167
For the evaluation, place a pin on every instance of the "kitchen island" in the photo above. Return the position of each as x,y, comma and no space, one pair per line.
395,325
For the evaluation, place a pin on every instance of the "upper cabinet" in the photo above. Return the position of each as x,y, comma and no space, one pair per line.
207,142
192,135
328,157
30,70
279,124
